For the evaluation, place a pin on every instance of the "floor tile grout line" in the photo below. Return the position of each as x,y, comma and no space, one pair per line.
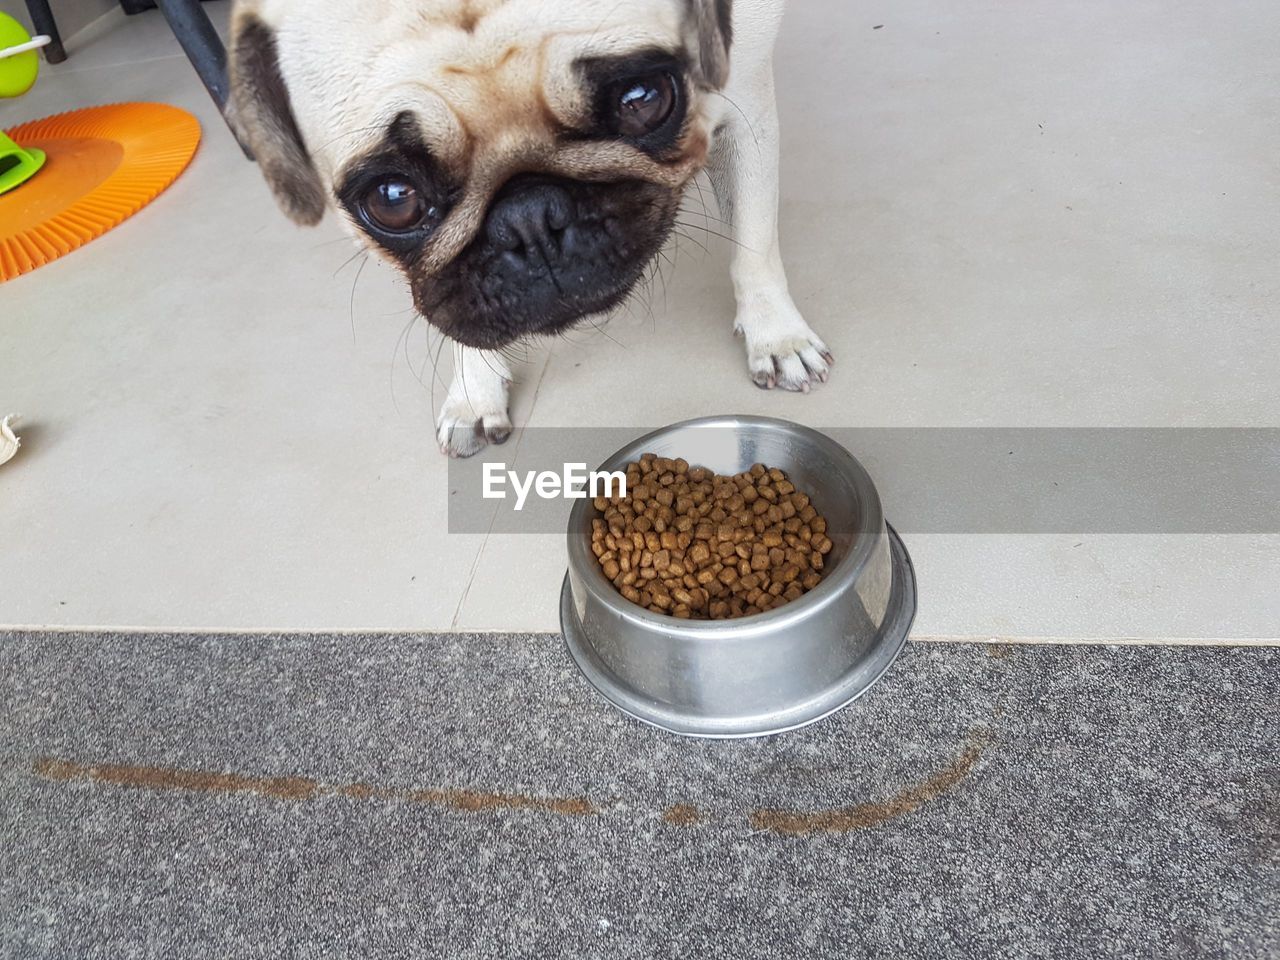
54,75
493,518
9,632
124,632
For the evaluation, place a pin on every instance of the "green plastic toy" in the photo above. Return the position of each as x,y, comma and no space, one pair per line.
19,65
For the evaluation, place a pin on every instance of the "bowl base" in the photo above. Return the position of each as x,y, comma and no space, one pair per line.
879,657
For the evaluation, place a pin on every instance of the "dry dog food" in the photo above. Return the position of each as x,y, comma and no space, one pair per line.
697,545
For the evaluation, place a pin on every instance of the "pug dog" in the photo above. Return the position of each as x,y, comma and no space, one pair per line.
523,161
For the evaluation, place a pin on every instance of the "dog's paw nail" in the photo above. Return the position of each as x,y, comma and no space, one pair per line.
463,449
461,437
782,351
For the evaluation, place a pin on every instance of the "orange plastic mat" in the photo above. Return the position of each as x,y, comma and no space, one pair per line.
104,165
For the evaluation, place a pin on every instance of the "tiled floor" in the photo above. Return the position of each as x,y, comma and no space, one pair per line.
1040,215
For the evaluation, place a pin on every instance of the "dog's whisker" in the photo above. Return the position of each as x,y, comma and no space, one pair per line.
658,276
694,240
508,352
564,335
351,301
745,118
714,233
492,369
408,356
347,262
323,244
460,372
391,367
640,294
644,293
426,358
705,212
420,372
435,372
604,333
663,277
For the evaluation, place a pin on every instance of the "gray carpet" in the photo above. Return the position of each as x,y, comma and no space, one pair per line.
469,796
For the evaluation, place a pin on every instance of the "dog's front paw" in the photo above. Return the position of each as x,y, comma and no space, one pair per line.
782,351
461,431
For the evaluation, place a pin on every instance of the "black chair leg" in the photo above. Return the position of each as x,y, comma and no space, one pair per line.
42,20
201,43
203,47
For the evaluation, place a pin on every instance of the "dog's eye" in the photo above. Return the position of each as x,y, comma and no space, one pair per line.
397,206
642,105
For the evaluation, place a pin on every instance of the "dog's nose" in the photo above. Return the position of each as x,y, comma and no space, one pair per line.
530,219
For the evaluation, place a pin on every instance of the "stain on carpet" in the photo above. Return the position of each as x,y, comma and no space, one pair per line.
292,788
298,788
682,815
167,778
864,815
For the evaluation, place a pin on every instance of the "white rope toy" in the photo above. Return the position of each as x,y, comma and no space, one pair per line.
35,43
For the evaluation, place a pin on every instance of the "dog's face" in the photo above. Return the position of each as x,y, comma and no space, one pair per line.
521,161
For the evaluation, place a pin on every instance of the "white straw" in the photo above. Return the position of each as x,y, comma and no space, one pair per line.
35,43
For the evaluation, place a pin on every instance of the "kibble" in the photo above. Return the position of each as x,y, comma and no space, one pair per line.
693,544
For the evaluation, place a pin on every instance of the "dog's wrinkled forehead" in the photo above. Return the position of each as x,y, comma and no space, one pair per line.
493,88
487,81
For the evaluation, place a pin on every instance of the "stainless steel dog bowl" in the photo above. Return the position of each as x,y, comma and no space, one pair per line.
761,674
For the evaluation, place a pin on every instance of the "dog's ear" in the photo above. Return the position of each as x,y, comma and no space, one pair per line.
259,109
711,24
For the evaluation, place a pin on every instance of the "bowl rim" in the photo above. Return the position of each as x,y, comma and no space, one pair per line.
835,584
